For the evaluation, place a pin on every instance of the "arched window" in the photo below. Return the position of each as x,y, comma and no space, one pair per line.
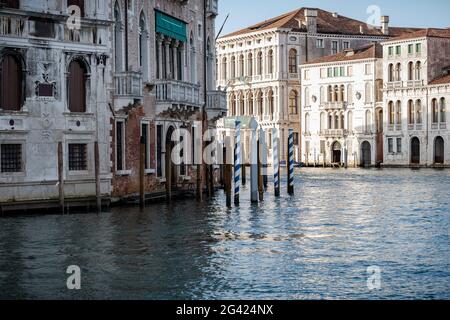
78,3
209,65
418,112
335,93
435,111
391,113
232,102
307,123
418,70
443,110
399,112
270,62
368,92
330,121
250,103
224,68
250,65
411,116
398,72
336,121
293,61
270,101
260,63
391,72
307,98
143,46
260,102
118,39
330,94
11,83
241,65
323,120
293,102
77,86
233,67
350,94
341,93
241,104
410,71
350,121
342,121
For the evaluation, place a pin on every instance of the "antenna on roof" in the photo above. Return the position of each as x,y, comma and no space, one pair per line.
221,28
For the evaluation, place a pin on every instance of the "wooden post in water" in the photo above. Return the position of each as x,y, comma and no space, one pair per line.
244,173
290,162
168,174
260,175
142,173
97,177
61,177
254,162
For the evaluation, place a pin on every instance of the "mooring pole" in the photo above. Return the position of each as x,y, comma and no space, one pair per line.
198,156
244,173
61,177
97,177
290,162
228,168
260,173
263,154
168,174
254,162
276,161
142,173
237,162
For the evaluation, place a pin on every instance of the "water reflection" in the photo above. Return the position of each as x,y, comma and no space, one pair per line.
316,245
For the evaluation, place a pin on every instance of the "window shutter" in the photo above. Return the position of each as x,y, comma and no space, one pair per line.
11,84
77,87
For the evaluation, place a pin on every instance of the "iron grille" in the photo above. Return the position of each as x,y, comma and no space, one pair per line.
77,157
11,157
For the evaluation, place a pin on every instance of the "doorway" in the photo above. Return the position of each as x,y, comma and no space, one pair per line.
415,150
366,154
337,152
439,150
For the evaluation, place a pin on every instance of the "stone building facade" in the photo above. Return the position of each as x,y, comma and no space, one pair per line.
342,104
54,81
416,96
258,65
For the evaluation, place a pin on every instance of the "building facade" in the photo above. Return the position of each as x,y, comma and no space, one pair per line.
259,65
54,82
342,108
416,95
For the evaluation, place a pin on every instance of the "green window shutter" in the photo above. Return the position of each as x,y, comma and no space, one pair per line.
170,26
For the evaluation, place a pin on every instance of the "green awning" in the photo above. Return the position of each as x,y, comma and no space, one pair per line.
170,26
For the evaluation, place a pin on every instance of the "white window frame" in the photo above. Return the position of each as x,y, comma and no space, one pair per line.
149,169
122,172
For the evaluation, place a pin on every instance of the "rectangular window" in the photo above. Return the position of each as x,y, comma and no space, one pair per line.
342,72
296,140
334,47
391,51
368,69
330,72
350,71
336,71
323,73
346,44
319,43
410,49
418,48
399,145
120,145
77,157
159,159
306,74
391,145
11,158
144,135
322,146
398,50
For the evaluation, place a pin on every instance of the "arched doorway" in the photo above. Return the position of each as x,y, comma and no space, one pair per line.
439,150
169,147
366,154
336,152
415,150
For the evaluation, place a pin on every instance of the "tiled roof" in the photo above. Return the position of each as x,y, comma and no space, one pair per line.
327,23
442,80
366,52
430,32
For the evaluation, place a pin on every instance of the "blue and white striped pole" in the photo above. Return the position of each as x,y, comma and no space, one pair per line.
290,162
237,162
276,161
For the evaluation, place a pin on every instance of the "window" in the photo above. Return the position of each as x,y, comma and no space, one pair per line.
159,159
443,110
293,102
391,73
250,65
334,47
233,67
349,71
306,74
346,44
270,62
336,72
241,65
399,145
296,139
368,69
368,92
398,50
418,70
419,112
78,3
292,61
410,49
11,92
260,63
14,4
77,87
77,157
391,113
391,51
224,69
390,145
330,72
146,140
320,43
398,72
322,147
342,71
307,123
435,111
418,48
410,71
410,112
323,73
120,145
11,158
399,112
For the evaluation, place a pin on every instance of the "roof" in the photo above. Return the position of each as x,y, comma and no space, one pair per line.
327,23
370,51
422,33
441,80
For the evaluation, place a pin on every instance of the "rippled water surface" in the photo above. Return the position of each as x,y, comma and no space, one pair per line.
315,245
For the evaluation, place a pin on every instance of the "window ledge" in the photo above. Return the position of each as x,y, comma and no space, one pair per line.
123,173
162,180
150,171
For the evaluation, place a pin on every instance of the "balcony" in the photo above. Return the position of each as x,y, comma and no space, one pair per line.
394,84
335,133
127,87
216,105
414,83
176,93
212,8
337,105
13,26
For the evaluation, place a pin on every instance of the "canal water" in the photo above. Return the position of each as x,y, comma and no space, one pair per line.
317,244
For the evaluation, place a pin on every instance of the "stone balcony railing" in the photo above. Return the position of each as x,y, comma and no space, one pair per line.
401,84
128,84
336,105
13,26
437,126
394,84
414,83
177,92
334,133
216,104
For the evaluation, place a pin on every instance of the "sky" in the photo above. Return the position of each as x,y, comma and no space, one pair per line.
403,13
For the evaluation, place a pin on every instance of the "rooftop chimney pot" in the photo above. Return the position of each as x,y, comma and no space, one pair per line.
311,20
385,25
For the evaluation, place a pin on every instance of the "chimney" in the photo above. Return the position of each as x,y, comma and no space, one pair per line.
335,15
311,20
385,25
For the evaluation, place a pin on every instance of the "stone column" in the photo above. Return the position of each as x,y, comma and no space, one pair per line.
167,46
159,41
175,45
